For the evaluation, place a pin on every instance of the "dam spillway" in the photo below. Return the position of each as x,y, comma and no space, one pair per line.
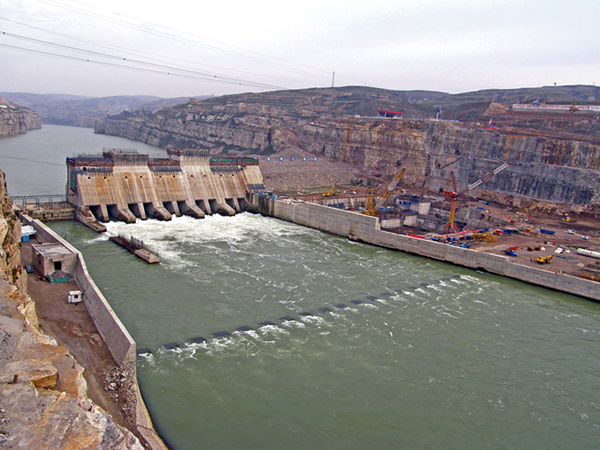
126,185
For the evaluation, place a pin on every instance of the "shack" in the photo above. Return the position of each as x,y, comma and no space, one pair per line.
53,257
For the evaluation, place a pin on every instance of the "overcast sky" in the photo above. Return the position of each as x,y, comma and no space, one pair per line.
181,48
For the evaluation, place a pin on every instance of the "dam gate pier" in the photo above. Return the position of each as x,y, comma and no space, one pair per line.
126,185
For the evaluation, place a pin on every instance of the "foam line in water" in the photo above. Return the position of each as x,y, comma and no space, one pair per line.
171,346
220,334
286,319
267,324
306,314
196,340
244,328
143,351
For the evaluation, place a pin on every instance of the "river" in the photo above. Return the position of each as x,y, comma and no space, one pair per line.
260,334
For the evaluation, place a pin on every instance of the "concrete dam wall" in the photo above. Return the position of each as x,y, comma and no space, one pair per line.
364,228
127,185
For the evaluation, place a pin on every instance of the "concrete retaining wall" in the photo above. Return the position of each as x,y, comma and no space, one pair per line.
364,228
113,332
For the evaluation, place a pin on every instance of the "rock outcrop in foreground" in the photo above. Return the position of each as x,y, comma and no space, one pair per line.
15,119
43,394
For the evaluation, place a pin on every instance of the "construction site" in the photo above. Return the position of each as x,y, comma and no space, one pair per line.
548,236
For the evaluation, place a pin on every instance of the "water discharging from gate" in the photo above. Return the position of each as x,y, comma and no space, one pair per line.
263,334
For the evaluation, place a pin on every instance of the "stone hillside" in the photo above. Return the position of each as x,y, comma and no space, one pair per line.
43,394
555,164
15,119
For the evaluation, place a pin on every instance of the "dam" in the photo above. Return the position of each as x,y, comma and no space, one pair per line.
125,185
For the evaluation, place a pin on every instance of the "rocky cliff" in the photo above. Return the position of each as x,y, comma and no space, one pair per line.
15,119
555,164
78,111
43,394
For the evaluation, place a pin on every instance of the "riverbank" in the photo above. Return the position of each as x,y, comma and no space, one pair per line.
96,338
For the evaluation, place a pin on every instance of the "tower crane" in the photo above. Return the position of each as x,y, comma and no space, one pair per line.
371,208
450,227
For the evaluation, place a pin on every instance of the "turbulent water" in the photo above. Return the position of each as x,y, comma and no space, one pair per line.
313,341
259,334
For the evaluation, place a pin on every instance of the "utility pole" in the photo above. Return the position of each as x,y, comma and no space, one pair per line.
333,80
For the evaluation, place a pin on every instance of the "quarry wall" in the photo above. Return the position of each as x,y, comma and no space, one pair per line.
359,227
550,168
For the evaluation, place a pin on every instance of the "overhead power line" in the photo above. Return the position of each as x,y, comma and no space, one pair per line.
149,56
213,78
135,61
189,38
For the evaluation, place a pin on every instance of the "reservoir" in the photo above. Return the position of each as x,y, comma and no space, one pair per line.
260,334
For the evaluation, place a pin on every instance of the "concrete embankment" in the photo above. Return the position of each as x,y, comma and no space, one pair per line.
118,340
359,227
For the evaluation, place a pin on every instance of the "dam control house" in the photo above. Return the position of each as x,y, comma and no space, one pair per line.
125,185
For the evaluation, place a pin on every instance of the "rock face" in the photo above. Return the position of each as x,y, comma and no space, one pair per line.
15,119
554,166
43,395
78,111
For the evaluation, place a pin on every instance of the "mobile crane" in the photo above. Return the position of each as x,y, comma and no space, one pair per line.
450,227
370,207
330,192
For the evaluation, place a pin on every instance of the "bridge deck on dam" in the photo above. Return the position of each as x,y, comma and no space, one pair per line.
127,185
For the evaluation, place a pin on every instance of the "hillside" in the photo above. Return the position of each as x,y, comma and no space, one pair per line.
78,111
16,119
560,155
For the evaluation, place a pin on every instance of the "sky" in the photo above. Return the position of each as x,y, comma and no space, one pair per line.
180,48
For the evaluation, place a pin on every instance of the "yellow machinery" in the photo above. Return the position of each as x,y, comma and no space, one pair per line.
487,236
450,227
544,259
574,108
370,207
389,189
369,204
330,192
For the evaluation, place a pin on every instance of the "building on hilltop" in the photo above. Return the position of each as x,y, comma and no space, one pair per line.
390,114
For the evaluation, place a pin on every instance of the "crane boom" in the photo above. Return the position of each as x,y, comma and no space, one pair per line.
451,226
489,175
389,189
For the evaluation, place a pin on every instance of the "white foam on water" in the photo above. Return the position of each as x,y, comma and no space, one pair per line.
313,319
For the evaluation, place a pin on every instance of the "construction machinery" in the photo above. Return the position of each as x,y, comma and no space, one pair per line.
389,189
544,259
450,227
370,207
330,192
573,108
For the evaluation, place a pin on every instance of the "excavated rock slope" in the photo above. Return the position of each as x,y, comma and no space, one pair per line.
558,169
15,119
43,400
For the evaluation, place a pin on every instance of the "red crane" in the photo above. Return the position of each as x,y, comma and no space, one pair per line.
450,227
